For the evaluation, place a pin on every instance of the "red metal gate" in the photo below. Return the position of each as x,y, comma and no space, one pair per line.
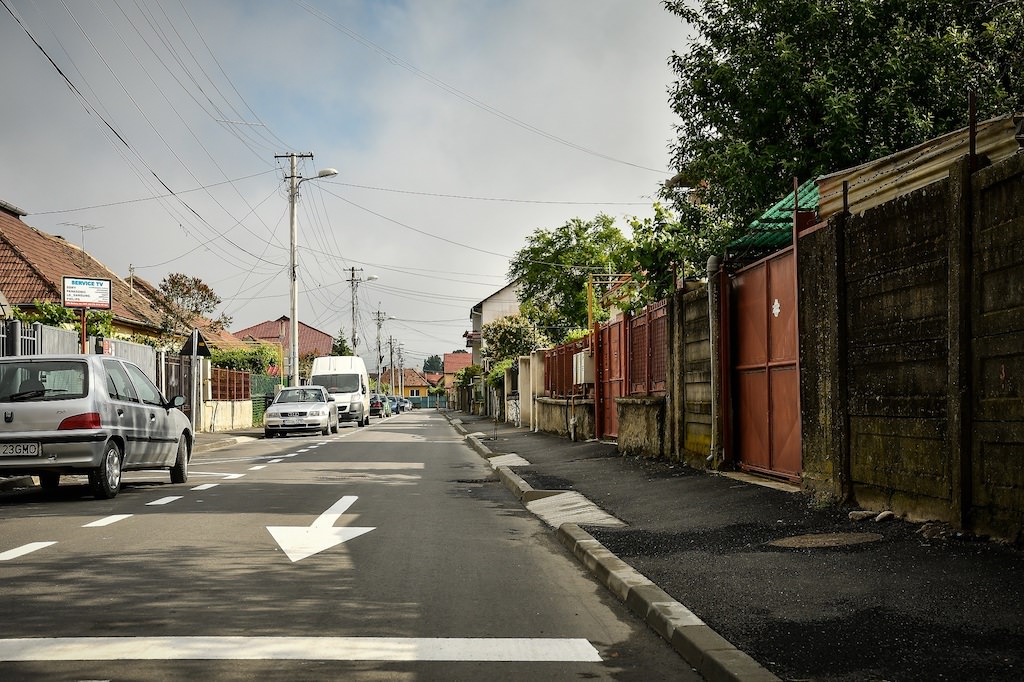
610,357
765,372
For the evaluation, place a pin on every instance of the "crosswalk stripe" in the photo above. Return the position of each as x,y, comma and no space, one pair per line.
299,648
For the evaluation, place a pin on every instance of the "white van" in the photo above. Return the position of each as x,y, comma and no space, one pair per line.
345,378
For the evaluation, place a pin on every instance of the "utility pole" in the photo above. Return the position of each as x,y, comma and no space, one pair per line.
391,362
379,317
401,372
354,283
293,198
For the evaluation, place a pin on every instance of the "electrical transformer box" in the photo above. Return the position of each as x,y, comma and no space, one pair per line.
582,368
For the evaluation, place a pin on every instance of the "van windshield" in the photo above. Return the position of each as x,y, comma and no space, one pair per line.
338,383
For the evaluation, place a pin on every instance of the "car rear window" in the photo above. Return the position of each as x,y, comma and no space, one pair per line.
34,380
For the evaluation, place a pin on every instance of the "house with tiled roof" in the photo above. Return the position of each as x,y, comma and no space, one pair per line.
312,341
33,265
453,362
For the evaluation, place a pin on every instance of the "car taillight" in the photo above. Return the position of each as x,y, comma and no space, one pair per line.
89,420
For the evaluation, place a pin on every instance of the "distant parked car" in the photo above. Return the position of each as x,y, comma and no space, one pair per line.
379,406
395,407
88,414
301,409
405,403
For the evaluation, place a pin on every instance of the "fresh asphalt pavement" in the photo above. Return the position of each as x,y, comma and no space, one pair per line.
752,580
806,592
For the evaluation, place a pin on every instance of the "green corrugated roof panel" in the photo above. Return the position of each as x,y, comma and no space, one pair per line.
774,229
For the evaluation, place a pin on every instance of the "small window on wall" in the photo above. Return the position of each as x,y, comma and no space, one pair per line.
414,393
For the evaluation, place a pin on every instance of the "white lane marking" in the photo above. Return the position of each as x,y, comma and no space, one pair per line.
524,649
226,477
301,542
290,455
107,521
356,466
24,549
275,461
258,467
205,486
163,500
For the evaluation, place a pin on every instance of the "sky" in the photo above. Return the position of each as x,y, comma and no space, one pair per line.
157,135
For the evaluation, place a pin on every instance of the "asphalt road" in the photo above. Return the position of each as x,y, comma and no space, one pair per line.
383,553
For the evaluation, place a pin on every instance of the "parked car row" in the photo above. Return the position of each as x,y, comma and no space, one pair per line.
386,405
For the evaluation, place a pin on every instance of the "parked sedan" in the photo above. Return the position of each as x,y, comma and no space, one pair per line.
88,414
405,404
396,408
301,409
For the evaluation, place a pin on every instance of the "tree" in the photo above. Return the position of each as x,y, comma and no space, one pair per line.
340,345
668,246
511,336
256,359
185,299
553,271
433,364
772,89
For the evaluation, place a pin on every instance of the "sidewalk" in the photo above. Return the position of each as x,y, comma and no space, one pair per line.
756,582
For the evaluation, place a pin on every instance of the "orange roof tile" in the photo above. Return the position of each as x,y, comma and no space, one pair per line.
33,265
311,340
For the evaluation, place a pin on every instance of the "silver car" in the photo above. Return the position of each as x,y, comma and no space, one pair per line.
88,414
301,409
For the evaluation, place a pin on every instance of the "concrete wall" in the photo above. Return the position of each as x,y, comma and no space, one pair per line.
227,415
554,415
642,426
912,352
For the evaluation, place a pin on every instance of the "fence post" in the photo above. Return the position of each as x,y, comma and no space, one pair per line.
14,337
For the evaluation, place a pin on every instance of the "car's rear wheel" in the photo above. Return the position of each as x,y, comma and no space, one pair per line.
334,429
48,480
105,479
179,472
326,431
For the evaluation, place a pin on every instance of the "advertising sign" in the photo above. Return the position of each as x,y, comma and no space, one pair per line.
82,292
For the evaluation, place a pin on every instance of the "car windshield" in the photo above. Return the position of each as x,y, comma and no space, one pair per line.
338,383
300,395
31,380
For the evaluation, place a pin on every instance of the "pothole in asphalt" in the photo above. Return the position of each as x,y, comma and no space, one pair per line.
825,540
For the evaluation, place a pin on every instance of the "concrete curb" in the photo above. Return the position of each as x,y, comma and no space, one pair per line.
13,482
708,652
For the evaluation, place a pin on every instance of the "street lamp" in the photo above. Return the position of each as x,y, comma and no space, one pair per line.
354,281
293,198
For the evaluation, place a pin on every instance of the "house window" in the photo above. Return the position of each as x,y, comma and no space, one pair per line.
414,392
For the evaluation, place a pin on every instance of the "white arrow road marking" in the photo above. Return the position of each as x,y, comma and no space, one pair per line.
299,542
523,649
107,521
23,550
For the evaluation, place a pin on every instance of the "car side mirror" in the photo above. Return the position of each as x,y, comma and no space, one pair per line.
178,401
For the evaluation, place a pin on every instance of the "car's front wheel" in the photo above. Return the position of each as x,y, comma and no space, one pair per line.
105,479
179,472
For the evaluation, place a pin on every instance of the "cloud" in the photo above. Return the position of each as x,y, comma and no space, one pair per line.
523,100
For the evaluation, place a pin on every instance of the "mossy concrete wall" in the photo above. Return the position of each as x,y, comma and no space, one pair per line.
641,426
912,352
566,418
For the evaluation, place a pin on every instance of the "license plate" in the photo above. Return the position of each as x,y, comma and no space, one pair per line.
19,449
291,422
